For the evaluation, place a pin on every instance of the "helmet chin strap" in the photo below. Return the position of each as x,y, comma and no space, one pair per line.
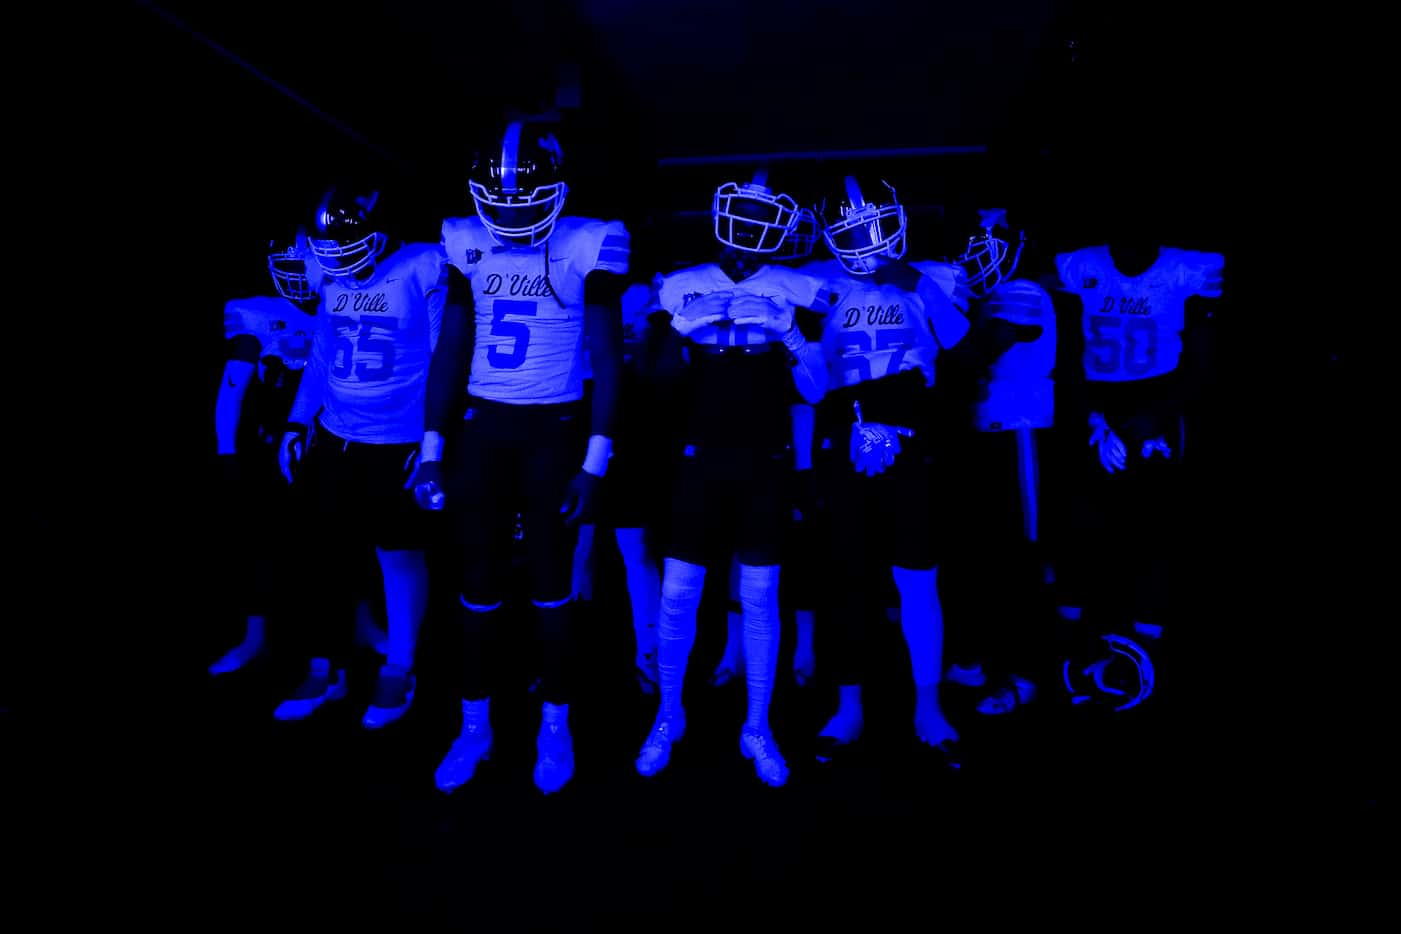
739,264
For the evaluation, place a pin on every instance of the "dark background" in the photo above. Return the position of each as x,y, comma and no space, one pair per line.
207,127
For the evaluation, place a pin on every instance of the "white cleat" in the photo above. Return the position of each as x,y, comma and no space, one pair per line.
472,747
768,761
319,688
554,747
656,751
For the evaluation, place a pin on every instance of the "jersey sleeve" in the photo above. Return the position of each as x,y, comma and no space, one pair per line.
962,294
947,325
235,321
241,334
457,241
432,276
1070,267
614,249
1202,273
803,290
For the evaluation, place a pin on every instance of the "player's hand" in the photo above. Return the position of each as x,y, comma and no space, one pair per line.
426,481
764,312
1112,453
873,444
708,309
579,498
1156,445
289,454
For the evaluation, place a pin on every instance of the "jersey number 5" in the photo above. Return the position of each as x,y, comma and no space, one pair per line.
519,331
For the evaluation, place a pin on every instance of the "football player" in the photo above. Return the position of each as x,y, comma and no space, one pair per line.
735,338
268,342
353,437
885,324
1009,405
507,429
798,589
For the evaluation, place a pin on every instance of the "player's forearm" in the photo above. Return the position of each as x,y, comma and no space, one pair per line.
804,418
605,340
809,366
605,336
228,406
596,458
431,449
311,394
449,370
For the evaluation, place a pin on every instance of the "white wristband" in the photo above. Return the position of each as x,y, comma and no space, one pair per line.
432,447
596,460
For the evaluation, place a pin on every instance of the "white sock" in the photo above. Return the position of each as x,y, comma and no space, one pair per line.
758,595
676,629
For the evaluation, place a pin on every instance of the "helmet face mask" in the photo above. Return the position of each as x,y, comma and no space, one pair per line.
287,265
752,217
989,259
801,239
345,242
858,230
517,188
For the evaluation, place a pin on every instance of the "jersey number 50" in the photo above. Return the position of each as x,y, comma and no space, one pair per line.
1136,354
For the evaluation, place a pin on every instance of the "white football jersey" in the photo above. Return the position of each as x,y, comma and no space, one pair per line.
1133,324
529,305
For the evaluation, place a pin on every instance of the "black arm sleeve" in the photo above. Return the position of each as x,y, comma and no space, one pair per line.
603,329
243,347
452,358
